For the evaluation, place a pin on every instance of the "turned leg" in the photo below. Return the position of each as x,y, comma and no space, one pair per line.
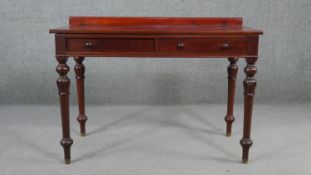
232,72
63,84
249,85
79,70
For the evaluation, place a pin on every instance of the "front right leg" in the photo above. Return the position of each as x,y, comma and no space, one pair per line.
63,84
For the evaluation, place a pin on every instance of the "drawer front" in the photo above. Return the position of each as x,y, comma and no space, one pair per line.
218,47
110,45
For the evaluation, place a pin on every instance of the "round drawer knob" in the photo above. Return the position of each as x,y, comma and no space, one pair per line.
180,45
88,45
225,46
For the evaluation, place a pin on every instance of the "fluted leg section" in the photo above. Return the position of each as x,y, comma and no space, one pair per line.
232,72
63,84
80,70
249,85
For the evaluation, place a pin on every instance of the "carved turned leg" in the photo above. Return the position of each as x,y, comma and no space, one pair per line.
63,83
79,70
249,85
232,72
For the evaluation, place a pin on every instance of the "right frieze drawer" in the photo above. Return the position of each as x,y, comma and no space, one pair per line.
219,46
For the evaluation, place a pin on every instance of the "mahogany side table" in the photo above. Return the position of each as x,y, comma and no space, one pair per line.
167,37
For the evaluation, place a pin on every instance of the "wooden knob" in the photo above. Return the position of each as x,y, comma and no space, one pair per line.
225,46
88,45
180,45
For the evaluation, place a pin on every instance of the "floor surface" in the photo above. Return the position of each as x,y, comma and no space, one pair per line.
156,140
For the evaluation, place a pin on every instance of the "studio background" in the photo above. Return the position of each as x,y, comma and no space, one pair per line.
152,116
27,69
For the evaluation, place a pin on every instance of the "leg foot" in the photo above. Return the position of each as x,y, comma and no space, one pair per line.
66,143
229,120
67,161
245,161
82,120
246,144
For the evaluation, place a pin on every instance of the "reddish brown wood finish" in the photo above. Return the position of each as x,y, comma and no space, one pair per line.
63,83
106,45
130,21
232,72
97,45
210,47
156,37
156,25
159,29
249,85
79,71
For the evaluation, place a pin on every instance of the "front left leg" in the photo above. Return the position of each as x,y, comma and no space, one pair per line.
249,85
63,84
79,70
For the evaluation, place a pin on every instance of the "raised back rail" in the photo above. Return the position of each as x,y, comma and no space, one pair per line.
98,21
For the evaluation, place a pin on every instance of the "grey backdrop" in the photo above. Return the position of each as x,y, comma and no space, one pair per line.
27,69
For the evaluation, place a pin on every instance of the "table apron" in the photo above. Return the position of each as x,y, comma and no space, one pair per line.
174,46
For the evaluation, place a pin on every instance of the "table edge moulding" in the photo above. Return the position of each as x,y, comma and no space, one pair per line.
159,37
